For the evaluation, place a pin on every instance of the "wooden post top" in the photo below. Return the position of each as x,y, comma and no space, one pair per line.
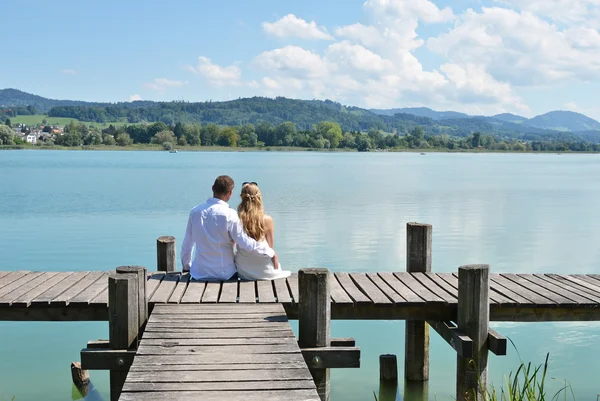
314,271
473,267
415,224
166,239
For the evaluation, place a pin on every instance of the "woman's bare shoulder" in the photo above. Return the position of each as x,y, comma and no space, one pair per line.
268,220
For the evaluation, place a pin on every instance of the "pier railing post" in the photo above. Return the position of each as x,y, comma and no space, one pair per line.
166,255
123,322
418,260
473,320
142,281
314,319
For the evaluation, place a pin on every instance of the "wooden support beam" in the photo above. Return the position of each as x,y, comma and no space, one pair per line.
342,342
331,357
166,255
455,337
314,319
418,259
107,359
102,344
497,343
473,320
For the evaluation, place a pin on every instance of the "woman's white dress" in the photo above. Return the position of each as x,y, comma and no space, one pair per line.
257,267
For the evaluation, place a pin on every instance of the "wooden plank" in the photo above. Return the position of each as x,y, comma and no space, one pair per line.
257,395
246,386
225,359
85,296
401,288
497,343
202,324
26,287
211,293
65,297
209,351
215,317
229,292
218,333
495,296
292,282
219,342
385,288
331,358
351,289
423,292
58,289
455,337
4,273
26,299
20,281
582,286
153,282
180,289
587,278
338,295
437,286
556,288
219,376
166,288
12,276
266,292
282,291
231,367
559,299
520,294
217,308
247,292
193,293
367,287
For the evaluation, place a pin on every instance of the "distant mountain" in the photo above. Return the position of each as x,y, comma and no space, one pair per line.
564,121
14,97
421,112
510,118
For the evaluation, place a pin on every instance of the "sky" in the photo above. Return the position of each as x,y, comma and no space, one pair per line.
526,57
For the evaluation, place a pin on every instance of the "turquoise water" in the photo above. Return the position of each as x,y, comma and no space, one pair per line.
66,210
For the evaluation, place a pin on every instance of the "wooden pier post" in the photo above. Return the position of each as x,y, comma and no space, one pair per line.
473,320
142,281
418,260
123,322
314,319
388,367
166,255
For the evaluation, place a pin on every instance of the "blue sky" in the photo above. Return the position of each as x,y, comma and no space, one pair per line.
481,57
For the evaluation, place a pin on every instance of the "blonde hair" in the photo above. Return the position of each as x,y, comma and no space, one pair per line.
251,212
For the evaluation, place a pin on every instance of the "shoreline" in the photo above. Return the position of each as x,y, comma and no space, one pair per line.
156,148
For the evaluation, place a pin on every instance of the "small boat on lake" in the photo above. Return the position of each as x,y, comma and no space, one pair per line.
422,154
173,151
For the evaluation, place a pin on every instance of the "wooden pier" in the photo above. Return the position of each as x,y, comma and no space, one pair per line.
170,333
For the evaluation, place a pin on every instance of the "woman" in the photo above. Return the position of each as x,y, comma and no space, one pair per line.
261,227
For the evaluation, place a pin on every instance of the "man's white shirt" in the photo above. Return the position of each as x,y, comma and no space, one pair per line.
212,229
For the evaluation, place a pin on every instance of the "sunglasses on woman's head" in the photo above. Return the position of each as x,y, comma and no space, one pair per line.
251,182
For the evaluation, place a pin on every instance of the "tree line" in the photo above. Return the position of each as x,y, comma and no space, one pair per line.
324,135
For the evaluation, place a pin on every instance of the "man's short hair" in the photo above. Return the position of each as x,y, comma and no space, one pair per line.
223,185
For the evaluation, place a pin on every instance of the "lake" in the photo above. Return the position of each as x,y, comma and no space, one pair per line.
95,210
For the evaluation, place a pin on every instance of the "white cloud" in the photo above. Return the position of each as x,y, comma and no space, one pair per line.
563,11
135,97
424,10
162,84
291,26
294,61
216,74
68,72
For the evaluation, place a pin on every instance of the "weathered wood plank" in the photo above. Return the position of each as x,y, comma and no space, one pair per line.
211,293
26,299
180,289
11,277
282,291
367,287
217,334
193,294
215,351
215,324
225,359
21,291
20,281
563,291
229,292
292,282
582,286
425,293
165,288
219,376
520,294
231,367
219,309
385,288
338,295
65,297
458,340
215,317
351,289
153,282
85,296
247,292
404,291
266,293
437,286
219,342
56,290
258,395
587,278
495,297
4,273
559,299
245,386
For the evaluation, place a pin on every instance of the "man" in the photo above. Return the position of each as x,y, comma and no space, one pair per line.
213,227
